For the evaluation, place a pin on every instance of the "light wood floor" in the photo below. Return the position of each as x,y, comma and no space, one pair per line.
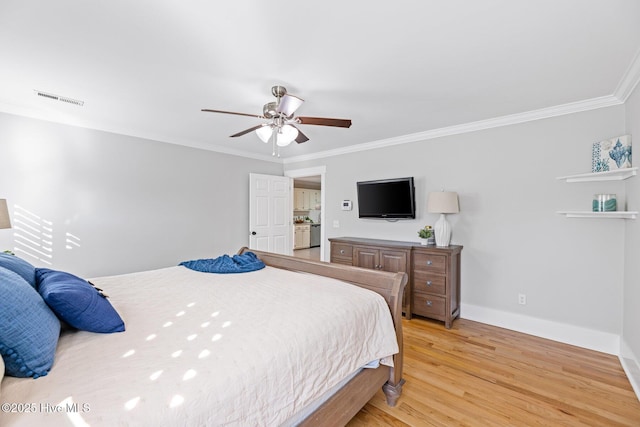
480,375
311,253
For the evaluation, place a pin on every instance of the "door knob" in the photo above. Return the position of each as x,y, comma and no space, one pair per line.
253,233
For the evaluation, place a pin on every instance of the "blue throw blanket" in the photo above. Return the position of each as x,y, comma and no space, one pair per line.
225,264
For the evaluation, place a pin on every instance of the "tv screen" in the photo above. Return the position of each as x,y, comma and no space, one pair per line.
387,198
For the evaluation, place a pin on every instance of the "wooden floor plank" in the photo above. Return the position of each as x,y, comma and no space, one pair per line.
480,375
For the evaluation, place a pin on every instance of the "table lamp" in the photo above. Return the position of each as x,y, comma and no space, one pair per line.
442,202
5,221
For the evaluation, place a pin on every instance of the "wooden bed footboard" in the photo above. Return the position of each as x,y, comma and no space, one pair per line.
391,287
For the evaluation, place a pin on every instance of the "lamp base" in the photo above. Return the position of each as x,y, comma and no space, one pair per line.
442,231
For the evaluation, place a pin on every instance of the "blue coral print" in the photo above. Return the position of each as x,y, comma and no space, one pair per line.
596,162
618,153
617,150
595,157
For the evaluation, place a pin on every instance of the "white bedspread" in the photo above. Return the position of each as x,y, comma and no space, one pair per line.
205,349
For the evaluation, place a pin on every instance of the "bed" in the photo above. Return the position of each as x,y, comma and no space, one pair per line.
169,367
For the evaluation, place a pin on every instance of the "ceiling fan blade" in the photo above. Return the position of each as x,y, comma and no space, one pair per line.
231,112
301,137
323,121
246,131
289,104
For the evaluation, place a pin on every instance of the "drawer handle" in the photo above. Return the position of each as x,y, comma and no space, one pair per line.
429,262
429,303
341,251
428,282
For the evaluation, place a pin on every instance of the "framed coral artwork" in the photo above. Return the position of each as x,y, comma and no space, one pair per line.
611,154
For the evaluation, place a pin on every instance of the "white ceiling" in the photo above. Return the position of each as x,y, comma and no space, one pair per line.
146,68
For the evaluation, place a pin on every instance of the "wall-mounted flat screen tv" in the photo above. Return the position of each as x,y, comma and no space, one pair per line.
387,198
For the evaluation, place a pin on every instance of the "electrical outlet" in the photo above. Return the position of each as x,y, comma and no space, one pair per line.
522,299
336,223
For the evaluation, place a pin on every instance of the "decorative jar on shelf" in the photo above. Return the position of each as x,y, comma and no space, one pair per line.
604,203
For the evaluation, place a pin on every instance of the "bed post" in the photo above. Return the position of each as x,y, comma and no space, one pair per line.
393,388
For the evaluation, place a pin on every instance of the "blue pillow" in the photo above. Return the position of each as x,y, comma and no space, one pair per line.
77,302
29,330
19,266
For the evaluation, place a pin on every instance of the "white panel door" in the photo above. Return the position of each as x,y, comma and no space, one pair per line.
270,213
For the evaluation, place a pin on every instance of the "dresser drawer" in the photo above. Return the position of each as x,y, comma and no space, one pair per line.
344,261
430,262
341,254
432,283
342,251
429,305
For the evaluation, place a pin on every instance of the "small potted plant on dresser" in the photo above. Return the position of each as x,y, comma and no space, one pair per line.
426,235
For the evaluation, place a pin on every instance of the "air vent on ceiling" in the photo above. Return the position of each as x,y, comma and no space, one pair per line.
59,98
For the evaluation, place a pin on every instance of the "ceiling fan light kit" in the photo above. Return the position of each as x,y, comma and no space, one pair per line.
285,135
281,129
264,133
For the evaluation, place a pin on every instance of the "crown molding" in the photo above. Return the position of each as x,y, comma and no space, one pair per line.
629,80
543,113
624,89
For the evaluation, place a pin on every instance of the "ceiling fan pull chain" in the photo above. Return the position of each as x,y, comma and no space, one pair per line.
273,140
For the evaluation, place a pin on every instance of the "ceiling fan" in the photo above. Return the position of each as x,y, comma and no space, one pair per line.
281,127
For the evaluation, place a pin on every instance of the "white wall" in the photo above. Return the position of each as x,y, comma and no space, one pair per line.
631,307
130,204
514,241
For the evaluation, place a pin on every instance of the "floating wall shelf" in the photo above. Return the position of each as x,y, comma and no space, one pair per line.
616,175
587,214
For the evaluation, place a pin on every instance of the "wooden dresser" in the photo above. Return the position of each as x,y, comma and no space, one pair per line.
436,282
433,289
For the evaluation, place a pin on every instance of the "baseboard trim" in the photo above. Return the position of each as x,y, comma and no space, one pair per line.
556,331
631,366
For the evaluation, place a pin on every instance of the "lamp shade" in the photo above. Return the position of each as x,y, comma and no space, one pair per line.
443,202
264,133
286,135
5,222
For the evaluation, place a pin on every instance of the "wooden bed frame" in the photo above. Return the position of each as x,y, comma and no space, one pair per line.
352,397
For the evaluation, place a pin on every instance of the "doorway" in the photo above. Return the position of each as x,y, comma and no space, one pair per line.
308,200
